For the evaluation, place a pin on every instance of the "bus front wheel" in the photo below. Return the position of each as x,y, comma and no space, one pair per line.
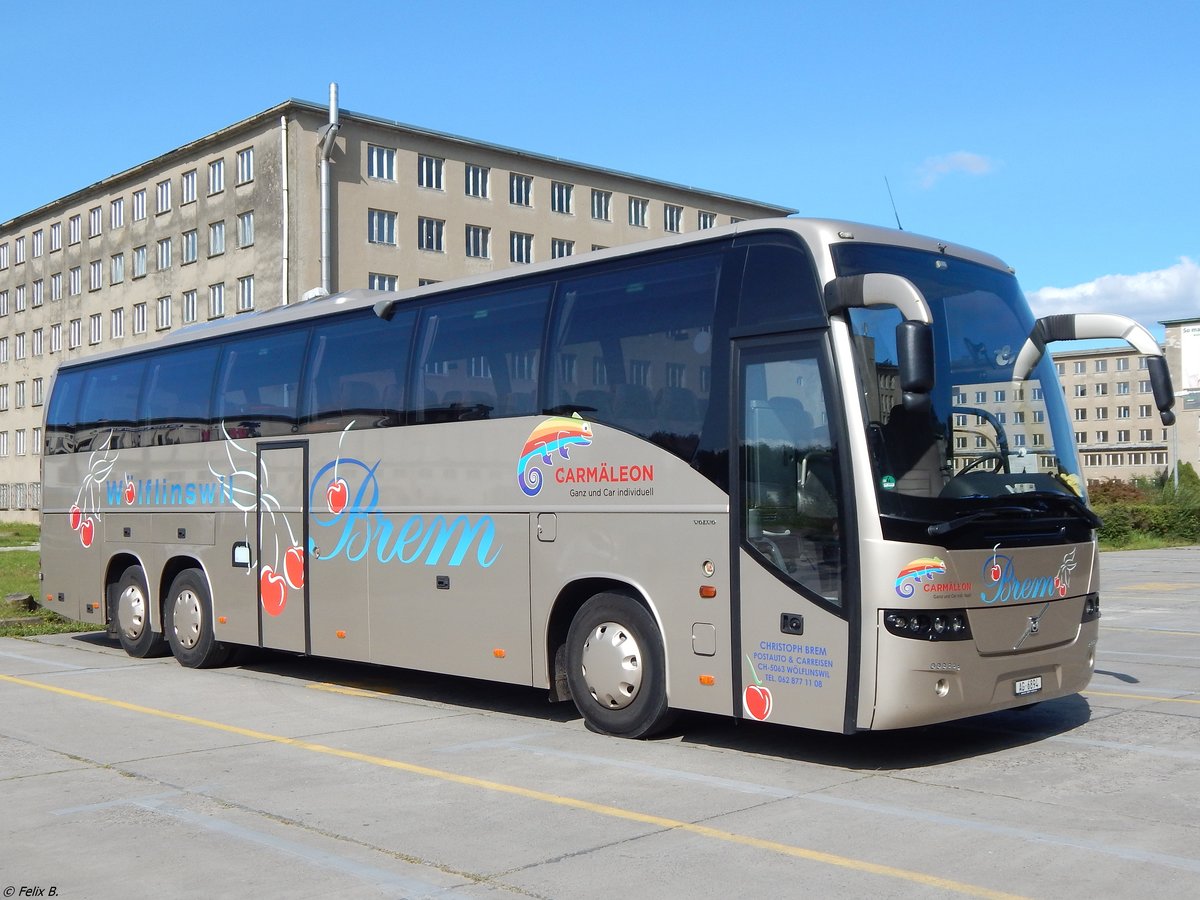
130,610
189,623
616,667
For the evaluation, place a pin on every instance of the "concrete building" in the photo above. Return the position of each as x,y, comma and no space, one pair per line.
234,222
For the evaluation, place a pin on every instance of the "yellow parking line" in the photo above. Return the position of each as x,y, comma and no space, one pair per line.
1140,697
831,859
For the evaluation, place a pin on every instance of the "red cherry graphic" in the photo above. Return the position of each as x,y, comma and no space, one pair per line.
274,591
130,493
337,495
293,567
87,531
1062,590
995,572
757,701
76,518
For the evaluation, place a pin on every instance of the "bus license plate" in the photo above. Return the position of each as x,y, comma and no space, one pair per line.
1028,686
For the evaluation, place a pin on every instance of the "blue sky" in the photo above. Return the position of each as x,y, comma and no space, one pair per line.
1062,136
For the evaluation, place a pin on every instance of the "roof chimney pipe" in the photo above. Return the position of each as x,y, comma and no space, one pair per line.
328,135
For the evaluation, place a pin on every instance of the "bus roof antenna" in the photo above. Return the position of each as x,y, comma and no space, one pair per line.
893,199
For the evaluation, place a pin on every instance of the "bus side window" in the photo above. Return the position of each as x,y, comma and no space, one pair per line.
356,371
479,355
61,416
176,397
256,394
633,348
108,406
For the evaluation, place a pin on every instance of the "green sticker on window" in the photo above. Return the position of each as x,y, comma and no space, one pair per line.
887,482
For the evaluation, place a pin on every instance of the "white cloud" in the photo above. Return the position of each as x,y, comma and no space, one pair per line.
935,168
1149,297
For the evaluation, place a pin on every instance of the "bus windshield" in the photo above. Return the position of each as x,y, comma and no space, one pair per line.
988,447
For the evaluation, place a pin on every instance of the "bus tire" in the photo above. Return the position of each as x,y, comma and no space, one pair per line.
616,667
189,625
130,612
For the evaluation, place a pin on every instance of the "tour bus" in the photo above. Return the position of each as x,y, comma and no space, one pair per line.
805,472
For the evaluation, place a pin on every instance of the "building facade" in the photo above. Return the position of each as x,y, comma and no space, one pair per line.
236,221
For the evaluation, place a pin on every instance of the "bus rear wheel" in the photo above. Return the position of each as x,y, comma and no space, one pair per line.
189,624
130,610
616,667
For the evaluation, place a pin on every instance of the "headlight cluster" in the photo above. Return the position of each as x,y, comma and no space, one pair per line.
942,625
1091,607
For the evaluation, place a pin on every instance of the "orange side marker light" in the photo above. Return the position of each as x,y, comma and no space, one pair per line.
499,653
708,591
707,680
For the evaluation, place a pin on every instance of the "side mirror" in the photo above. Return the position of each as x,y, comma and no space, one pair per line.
914,346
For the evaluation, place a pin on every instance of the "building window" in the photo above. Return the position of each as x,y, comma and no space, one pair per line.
75,278
216,238
246,293
672,218
216,176
706,220
39,393
1081,415
378,282
998,396
95,218
3,256
216,301
602,205
520,189
94,328
187,308
74,225
1123,364
38,292
1122,412
75,334
19,298
381,162
637,211
56,236
3,349
162,313
162,196
164,254
381,226
139,318
477,181
1101,412
520,247
116,326
479,239
116,213
3,303
95,275
1101,437
1100,366
560,247
116,269
1080,367
20,441
187,187
19,347
36,244
188,247
56,337
562,197
429,172
430,235
139,205
1122,436
1144,387
1145,434
1102,390
1144,411
1081,390
245,165
37,345
245,229
1122,387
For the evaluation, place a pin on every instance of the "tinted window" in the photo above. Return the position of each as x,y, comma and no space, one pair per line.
175,407
356,372
779,287
61,415
478,357
633,348
108,405
256,393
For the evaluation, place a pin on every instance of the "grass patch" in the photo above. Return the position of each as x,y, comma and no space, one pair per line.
19,575
19,534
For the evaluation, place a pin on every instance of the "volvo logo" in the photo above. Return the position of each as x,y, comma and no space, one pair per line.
1031,626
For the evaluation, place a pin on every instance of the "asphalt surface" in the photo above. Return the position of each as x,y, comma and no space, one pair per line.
124,778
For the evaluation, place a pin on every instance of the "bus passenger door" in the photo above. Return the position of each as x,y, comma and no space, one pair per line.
790,515
282,538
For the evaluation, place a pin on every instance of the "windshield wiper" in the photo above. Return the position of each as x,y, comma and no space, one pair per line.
1077,506
940,528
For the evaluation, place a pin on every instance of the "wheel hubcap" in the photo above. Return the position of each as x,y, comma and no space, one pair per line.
187,618
131,612
612,665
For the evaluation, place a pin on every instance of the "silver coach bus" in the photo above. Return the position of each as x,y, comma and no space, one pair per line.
806,472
